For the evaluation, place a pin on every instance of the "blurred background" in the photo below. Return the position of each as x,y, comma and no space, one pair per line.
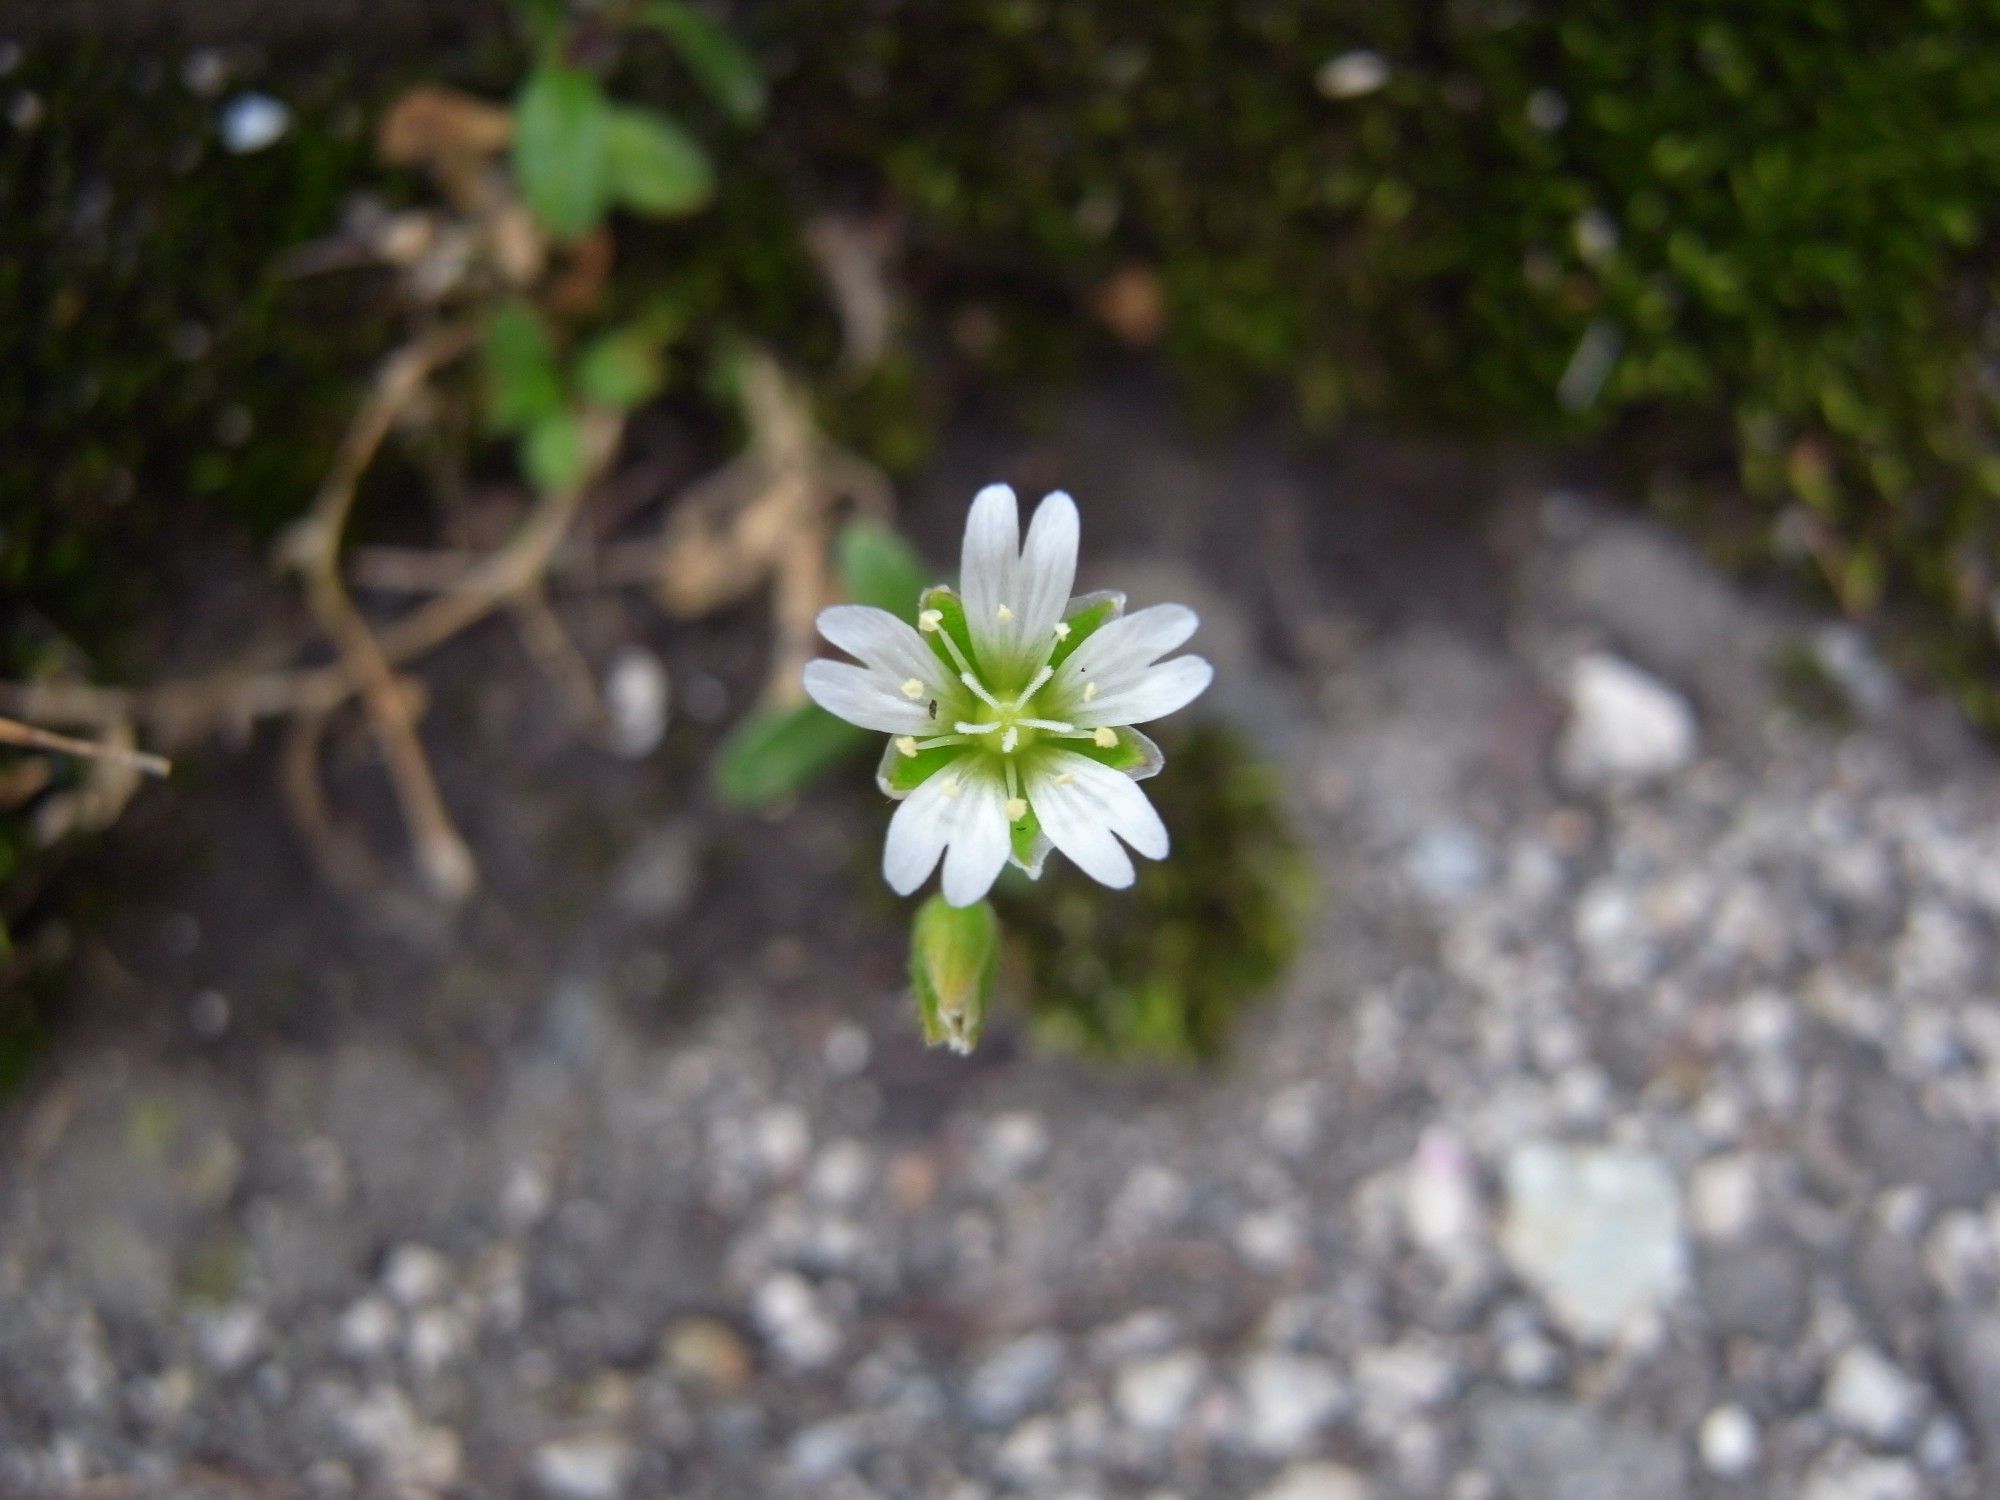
1561,1059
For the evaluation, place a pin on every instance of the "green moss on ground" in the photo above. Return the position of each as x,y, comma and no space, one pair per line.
1167,969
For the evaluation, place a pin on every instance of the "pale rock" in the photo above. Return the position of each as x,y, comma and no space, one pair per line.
1597,1232
1870,1396
1845,1476
1287,1400
416,1274
1728,1442
594,1466
1152,1395
1316,1482
1625,728
1722,1196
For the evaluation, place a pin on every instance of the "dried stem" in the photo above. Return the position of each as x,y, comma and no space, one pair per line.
32,737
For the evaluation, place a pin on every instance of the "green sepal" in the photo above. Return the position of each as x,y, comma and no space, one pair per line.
946,602
901,774
954,958
1089,614
1134,754
1028,845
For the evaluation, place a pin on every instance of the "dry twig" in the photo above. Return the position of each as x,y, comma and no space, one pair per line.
31,737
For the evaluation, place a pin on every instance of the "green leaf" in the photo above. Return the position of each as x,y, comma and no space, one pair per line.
562,131
715,58
954,956
522,383
619,370
654,166
552,451
777,753
878,567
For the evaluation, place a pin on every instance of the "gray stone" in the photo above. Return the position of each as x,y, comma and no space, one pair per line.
1153,1394
1757,1289
1972,1364
1902,1144
1548,1450
1015,1379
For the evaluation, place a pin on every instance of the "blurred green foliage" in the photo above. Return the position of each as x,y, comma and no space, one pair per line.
1765,230
1166,969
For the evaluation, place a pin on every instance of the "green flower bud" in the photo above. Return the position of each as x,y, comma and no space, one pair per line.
954,954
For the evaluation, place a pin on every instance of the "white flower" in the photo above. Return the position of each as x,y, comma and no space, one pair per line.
1011,708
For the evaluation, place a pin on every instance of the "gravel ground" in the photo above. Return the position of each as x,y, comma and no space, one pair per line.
1626,1133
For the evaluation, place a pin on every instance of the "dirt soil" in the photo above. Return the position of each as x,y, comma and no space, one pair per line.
1627,1129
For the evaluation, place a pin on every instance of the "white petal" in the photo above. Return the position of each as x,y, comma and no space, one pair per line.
1154,694
1082,814
1048,569
1122,649
987,565
959,812
861,696
917,835
885,643
980,841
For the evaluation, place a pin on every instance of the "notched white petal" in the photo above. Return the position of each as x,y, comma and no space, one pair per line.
882,641
1125,647
987,565
917,836
863,697
1047,571
1157,692
1085,808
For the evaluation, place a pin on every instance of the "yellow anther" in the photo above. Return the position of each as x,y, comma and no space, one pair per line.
1104,737
949,787
913,688
907,744
1003,613
930,619
1064,778
1089,691
1017,809
1062,630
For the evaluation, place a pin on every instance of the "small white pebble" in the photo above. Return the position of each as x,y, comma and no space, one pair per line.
1351,75
251,122
1728,1441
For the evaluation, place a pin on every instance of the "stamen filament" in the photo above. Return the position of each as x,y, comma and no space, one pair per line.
978,689
951,649
933,743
